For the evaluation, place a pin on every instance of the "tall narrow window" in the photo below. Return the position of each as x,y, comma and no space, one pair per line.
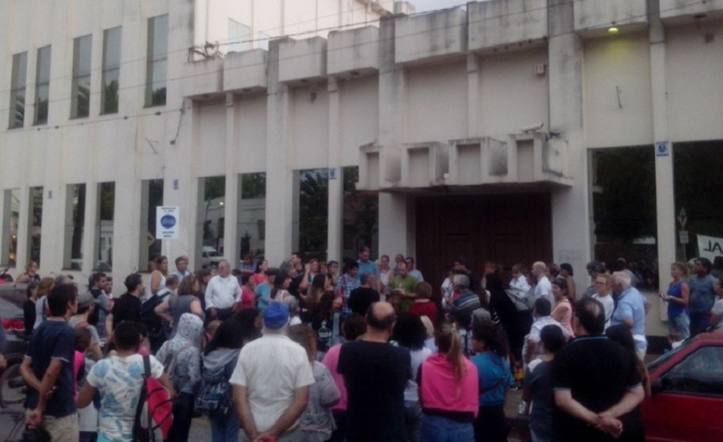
152,197
104,224
252,214
311,220
360,215
80,92
11,213
74,225
17,90
36,221
111,70
157,59
42,85
211,218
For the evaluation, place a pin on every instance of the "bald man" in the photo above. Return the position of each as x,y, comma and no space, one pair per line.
376,374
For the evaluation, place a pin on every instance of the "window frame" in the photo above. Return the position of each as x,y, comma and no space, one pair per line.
78,76
155,61
42,79
18,89
110,67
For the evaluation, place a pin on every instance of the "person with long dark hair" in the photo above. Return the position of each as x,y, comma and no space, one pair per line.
495,377
448,384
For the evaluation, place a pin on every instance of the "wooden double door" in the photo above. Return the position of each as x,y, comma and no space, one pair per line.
504,228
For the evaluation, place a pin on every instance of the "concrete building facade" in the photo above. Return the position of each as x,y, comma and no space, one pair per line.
507,130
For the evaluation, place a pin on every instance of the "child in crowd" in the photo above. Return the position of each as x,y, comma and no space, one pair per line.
87,416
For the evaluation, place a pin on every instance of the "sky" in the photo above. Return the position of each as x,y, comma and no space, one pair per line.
427,5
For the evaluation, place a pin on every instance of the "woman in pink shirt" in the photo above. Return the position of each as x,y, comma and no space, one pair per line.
448,391
352,328
562,312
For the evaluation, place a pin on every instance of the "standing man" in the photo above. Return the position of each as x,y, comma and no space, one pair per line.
376,374
402,287
222,293
597,384
702,296
128,306
181,268
543,288
96,286
271,381
48,368
412,268
594,269
366,265
630,310
365,295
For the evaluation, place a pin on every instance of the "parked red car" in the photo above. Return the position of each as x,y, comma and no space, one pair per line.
687,400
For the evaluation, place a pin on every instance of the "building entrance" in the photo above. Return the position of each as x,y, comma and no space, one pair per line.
504,228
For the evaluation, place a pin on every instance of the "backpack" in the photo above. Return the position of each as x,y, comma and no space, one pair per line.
214,396
150,319
154,413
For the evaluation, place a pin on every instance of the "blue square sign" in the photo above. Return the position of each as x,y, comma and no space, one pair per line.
662,148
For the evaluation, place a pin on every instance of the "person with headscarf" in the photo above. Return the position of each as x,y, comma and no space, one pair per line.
181,357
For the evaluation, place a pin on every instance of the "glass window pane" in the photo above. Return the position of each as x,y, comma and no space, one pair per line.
156,61
74,224
239,36
158,34
698,180
252,215
360,216
152,197
624,211
42,82
211,219
311,223
104,224
109,95
111,48
111,70
17,92
36,221
80,102
12,217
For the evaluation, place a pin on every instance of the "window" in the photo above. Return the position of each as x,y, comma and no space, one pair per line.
360,216
624,211
104,223
263,41
111,70
239,36
11,212
157,58
80,92
311,220
698,373
698,180
17,90
42,85
152,197
252,214
36,221
211,216
74,225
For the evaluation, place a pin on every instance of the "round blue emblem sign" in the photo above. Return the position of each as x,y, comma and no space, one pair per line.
168,221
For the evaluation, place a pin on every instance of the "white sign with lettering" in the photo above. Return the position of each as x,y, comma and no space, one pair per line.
710,246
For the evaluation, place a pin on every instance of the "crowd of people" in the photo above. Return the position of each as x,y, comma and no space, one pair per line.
362,351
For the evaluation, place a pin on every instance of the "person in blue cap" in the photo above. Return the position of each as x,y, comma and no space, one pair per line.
271,381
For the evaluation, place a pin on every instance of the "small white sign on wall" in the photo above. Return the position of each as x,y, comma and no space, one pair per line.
662,149
167,218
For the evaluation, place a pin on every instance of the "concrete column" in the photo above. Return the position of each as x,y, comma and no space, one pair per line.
665,201
90,230
570,206
231,199
279,198
473,80
393,213
21,251
335,231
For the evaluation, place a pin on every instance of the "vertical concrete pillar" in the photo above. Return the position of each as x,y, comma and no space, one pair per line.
393,213
231,200
279,198
89,226
570,206
665,201
335,231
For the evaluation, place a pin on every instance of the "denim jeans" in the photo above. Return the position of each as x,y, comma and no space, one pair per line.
412,420
441,429
699,322
182,416
681,324
225,428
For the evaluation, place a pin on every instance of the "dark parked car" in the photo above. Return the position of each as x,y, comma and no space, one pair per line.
12,297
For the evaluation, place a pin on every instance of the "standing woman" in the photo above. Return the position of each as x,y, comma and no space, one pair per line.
332,268
280,292
186,301
31,291
31,273
677,298
158,276
567,272
448,385
259,276
562,312
41,303
385,274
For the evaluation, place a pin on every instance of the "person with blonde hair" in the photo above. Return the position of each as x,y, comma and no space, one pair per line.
448,391
677,297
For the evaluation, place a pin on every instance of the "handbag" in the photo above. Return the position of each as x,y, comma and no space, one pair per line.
154,413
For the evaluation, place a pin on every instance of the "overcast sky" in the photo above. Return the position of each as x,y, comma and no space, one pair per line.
426,5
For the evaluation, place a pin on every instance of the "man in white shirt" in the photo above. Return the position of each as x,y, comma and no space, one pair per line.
222,293
543,288
531,348
271,381
182,268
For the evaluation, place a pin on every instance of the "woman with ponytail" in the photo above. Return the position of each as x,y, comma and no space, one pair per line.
448,385
495,377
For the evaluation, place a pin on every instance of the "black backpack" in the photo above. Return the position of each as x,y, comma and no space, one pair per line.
153,322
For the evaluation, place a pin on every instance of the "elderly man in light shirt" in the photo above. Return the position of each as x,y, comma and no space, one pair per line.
271,381
543,288
222,293
630,310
